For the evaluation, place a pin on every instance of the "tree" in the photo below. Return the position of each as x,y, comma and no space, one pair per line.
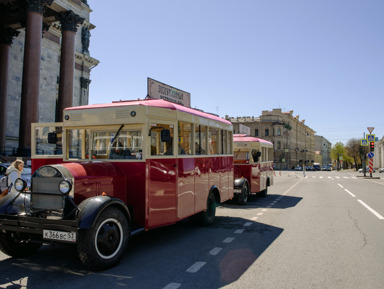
338,150
353,149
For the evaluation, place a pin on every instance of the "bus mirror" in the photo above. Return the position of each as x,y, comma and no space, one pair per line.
52,138
165,135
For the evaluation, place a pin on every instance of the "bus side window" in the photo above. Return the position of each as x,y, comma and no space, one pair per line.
256,155
213,141
159,148
200,140
185,138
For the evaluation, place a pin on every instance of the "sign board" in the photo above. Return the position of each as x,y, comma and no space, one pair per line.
371,155
371,138
161,90
363,142
370,129
244,129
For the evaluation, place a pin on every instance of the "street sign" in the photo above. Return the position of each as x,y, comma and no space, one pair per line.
370,137
363,142
370,129
371,155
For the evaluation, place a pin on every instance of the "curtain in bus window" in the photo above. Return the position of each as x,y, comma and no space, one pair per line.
158,147
200,140
213,141
185,138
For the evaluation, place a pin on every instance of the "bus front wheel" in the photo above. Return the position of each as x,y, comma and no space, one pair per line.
103,245
242,198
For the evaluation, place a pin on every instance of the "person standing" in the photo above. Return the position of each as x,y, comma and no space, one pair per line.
14,172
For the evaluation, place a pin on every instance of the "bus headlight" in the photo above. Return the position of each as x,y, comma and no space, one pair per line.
65,187
20,185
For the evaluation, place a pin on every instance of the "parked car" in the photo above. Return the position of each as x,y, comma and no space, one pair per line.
366,170
381,170
298,168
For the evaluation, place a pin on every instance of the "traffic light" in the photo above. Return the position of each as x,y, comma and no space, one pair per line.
372,146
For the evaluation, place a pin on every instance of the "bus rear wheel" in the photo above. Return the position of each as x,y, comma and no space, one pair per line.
102,246
207,217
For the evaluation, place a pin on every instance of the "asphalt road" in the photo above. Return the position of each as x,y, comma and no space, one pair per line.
321,231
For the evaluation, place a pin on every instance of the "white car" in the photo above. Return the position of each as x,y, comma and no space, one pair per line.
381,170
367,170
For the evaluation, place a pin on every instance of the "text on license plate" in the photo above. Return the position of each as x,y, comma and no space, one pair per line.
59,236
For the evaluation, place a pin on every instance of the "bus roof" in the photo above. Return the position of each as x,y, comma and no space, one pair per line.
160,103
247,138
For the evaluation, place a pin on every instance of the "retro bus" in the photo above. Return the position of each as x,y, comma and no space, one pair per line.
253,166
112,170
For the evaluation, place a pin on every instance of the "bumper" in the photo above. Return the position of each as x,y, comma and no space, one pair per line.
34,227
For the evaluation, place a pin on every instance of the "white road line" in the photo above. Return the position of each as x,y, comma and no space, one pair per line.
239,231
340,186
321,177
286,192
196,267
254,218
215,251
172,286
247,224
349,193
260,214
228,240
371,210
264,210
337,177
329,177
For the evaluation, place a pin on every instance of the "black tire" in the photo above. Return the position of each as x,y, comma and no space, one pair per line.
242,198
207,217
11,246
102,246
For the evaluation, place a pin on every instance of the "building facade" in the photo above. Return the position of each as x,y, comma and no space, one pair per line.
378,159
323,151
45,65
293,140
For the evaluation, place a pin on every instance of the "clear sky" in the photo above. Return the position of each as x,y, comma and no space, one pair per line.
323,59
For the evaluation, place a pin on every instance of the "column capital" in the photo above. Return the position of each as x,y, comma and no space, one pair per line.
37,5
84,82
69,20
7,34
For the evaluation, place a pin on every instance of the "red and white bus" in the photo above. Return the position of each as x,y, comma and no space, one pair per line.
111,170
253,161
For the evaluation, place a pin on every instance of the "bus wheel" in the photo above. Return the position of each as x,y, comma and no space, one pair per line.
206,218
103,245
242,198
263,193
15,248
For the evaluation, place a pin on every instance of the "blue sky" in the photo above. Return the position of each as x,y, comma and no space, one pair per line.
323,59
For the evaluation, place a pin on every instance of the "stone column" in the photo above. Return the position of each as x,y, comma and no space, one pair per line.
29,109
69,22
6,37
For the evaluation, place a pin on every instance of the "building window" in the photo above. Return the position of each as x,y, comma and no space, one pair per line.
279,145
278,131
266,132
256,132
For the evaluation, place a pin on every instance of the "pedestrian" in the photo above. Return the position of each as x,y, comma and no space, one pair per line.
14,172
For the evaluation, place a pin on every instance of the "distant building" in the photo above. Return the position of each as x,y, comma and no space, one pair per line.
378,159
294,142
323,150
45,65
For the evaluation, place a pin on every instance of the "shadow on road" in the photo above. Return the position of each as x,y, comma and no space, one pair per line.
153,260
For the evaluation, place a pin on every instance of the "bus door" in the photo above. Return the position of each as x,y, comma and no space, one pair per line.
162,176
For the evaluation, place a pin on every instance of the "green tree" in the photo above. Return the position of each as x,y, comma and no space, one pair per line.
337,151
354,149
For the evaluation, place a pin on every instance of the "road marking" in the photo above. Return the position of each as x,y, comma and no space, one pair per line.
371,210
260,214
196,267
215,251
228,240
349,193
264,210
286,192
340,186
374,182
321,177
172,286
254,218
247,224
239,231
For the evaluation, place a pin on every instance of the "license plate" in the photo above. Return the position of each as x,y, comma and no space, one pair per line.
59,236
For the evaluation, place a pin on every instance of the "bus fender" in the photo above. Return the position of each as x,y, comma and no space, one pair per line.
91,208
238,183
